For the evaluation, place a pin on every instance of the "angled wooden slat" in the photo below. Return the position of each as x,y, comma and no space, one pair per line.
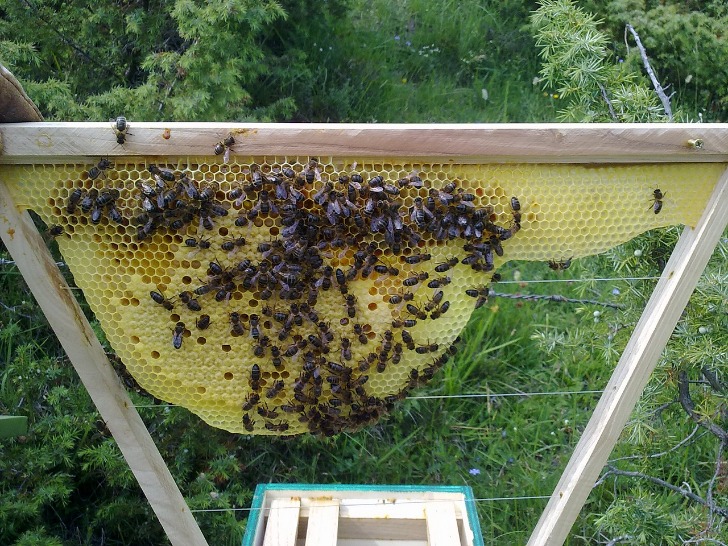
88,358
640,356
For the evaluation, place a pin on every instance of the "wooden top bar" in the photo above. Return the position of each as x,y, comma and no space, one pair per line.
56,142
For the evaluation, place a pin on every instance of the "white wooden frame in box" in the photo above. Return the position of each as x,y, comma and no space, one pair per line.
42,143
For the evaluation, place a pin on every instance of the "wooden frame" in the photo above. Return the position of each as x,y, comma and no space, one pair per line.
362,515
527,143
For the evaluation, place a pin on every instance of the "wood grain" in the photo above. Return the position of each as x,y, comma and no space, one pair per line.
88,358
639,358
323,522
282,526
482,143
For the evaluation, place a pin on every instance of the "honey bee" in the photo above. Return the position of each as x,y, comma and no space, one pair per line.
311,171
73,200
236,327
164,174
55,230
359,331
515,204
224,146
417,258
409,323
121,129
251,400
434,302
438,283
89,200
157,297
255,377
407,338
197,242
481,293
346,348
351,305
263,411
412,180
416,312
177,335
560,265
657,195
99,169
280,426
248,423
275,389
445,266
231,244
416,279
437,313
202,322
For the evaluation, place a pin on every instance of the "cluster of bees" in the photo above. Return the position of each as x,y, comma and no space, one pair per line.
319,222
287,273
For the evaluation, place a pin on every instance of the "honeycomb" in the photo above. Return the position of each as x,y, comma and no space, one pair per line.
284,295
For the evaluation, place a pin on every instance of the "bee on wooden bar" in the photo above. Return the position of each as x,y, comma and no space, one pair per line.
121,129
224,146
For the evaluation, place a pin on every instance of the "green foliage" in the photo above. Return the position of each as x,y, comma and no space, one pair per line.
577,64
66,481
686,45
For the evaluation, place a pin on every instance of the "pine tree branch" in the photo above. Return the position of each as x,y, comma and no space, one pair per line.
658,88
683,389
609,103
613,471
